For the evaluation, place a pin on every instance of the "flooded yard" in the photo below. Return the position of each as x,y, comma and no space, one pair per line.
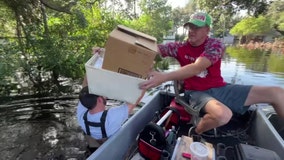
41,128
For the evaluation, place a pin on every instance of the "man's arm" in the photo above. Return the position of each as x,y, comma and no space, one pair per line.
187,71
169,49
132,106
85,82
95,50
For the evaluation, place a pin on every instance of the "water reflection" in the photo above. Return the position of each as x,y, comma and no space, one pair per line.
254,67
41,129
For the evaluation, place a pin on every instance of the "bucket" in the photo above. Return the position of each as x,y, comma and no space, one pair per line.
198,151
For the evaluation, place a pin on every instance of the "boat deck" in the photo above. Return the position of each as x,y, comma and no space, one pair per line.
247,129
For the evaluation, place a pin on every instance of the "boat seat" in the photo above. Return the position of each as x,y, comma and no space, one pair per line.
237,120
180,99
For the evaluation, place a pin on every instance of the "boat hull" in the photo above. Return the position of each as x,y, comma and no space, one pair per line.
264,130
120,146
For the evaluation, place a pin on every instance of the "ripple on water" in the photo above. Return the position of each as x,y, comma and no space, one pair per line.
41,129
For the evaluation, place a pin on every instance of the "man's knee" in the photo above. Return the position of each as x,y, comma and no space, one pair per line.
277,92
221,115
224,116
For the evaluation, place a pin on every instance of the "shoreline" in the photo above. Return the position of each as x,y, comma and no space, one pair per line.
274,47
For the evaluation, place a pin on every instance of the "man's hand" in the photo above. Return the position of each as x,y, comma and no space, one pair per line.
132,106
155,79
98,50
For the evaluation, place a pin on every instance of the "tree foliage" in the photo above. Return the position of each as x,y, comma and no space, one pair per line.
225,12
276,15
155,18
251,26
54,42
254,7
50,40
182,15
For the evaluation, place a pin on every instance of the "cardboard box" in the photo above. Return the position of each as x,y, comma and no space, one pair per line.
130,52
111,84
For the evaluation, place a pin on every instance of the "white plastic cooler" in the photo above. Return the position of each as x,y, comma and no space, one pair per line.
111,84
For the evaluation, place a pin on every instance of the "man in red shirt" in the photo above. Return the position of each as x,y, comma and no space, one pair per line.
200,58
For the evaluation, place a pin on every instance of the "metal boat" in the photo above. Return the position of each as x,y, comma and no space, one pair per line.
264,129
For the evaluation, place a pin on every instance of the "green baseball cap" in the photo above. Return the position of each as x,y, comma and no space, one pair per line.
199,19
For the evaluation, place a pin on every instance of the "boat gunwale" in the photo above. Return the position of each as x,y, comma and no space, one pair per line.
116,147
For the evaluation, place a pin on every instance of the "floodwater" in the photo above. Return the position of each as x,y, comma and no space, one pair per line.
41,128
251,67
46,128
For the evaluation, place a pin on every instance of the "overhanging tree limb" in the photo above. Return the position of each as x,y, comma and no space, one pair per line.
56,7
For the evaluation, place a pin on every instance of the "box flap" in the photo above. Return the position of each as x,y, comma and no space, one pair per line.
140,41
132,31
